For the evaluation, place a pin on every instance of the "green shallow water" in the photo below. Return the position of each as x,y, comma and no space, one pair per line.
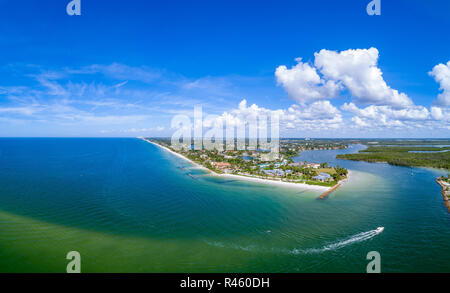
127,206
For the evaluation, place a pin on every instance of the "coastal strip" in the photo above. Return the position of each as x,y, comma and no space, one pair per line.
444,193
180,156
302,186
276,182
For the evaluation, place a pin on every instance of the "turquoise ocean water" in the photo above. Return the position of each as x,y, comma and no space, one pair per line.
127,206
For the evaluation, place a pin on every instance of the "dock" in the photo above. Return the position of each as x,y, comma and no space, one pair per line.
327,193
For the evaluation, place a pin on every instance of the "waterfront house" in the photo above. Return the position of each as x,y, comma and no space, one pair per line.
322,177
221,165
314,165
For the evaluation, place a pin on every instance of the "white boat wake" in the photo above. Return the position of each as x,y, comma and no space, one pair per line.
334,246
353,239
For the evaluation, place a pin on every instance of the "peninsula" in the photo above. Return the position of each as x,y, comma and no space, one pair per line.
444,182
401,155
258,165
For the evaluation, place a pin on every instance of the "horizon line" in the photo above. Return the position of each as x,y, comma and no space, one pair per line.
167,137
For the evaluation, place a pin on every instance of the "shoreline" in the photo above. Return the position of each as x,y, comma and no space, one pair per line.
303,186
405,166
180,156
276,182
444,195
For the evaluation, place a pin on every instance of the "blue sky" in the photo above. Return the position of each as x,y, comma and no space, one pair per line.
125,68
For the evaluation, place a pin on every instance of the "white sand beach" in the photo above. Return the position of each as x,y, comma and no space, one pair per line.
180,156
275,182
253,179
343,181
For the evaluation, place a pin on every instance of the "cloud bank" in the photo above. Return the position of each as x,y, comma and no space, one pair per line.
338,94
373,103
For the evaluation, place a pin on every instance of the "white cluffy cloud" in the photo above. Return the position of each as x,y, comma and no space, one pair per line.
320,115
373,103
442,114
386,116
441,74
303,83
357,70
90,98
